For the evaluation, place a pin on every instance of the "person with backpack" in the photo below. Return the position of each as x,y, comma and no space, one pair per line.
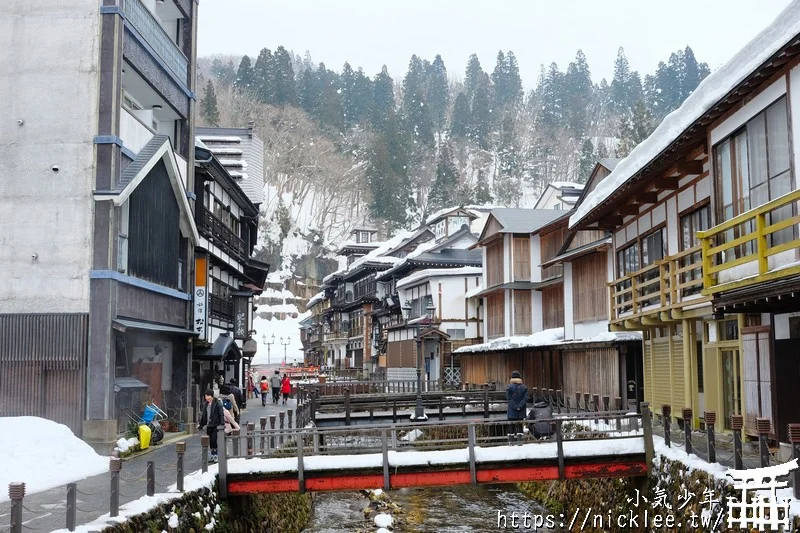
264,386
237,392
275,382
286,388
229,401
212,418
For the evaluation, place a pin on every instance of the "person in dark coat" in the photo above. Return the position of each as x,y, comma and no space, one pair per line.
212,418
238,394
517,398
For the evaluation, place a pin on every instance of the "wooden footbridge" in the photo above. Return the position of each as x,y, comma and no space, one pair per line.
473,451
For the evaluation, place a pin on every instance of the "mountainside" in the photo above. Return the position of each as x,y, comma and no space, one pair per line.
342,149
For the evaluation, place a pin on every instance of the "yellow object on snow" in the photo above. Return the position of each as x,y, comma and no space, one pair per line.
144,437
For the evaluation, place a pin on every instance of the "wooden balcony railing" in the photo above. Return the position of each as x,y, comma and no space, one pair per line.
222,235
221,307
738,252
670,283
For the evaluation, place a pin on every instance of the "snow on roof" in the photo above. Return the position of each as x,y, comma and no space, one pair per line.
565,185
710,91
220,138
472,292
238,175
201,144
26,440
473,209
233,163
219,150
269,292
433,272
548,337
316,299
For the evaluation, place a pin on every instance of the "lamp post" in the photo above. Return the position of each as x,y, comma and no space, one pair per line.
267,344
285,343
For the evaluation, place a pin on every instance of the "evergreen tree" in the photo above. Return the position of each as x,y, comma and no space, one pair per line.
387,177
625,136
461,120
473,77
383,100
634,89
482,113
551,112
330,111
361,101
483,195
263,77
438,93
621,83
415,107
225,73
445,186
578,95
210,111
634,128
499,78
309,91
601,152
587,161
513,79
283,76
244,75
348,81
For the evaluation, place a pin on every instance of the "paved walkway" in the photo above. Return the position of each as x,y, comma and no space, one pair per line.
46,511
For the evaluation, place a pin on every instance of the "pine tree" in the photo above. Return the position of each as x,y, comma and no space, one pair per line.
415,107
473,77
641,122
330,109
513,79
438,93
587,162
263,77
483,195
445,186
499,79
578,89
461,119
551,114
625,136
383,100
348,81
225,73
362,97
621,84
244,75
210,111
284,78
634,89
309,91
387,177
482,113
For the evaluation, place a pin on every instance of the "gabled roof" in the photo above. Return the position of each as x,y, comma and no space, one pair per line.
515,220
610,162
157,149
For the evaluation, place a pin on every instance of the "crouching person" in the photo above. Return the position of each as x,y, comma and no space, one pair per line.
212,418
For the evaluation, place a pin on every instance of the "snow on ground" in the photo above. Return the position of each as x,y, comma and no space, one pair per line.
123,444
32,445
383,520
710,91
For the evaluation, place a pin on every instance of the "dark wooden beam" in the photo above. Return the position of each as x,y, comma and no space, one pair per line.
691,168
669,183
610,222
628,209
647,197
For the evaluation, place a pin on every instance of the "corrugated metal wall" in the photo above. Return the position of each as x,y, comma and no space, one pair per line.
43,366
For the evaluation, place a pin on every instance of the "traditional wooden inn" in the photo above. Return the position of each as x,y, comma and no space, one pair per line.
704,221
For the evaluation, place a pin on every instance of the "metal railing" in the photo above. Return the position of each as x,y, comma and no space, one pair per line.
146,24
748,239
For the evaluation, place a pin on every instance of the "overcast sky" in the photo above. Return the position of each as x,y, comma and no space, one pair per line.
370,33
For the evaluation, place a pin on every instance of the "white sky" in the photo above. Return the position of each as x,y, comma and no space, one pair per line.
370,33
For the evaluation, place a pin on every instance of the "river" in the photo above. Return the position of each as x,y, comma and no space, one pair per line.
429,510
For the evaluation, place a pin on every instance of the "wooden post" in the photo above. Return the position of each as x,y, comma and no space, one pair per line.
560,448
203,459
272,431
289,420
486,401
552,399
618,407
647,429
151,476
385,450
281,427
16,493
371,414
737,423
347,406
301,473
586,399
251,444
394,411
578,401
606,403
794,439
666,415
114,465
441,408
566,404
761,243
763,426
180,449
72,501
596,401
473,474
262,422
559,398
705,246
687,429
234,443
710,418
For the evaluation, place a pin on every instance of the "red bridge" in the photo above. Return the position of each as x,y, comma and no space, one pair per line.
586,445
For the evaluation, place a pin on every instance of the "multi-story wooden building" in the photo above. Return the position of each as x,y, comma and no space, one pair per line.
705,240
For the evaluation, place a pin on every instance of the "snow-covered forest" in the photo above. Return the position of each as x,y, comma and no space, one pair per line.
343,148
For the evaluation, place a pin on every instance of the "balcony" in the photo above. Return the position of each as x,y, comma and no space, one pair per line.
147,26
747,250
221,308
222,236
660,292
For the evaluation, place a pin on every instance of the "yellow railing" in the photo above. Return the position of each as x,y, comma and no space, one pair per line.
661,286
748,241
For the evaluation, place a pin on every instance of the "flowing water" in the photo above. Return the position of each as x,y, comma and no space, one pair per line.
430,510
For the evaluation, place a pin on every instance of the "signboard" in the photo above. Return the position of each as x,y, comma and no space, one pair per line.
200,296
241,315
439,230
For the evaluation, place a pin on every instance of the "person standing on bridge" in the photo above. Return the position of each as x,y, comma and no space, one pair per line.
275,382
286,388
212,418
517,398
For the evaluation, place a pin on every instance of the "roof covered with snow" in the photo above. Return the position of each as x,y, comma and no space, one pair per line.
548,337
710,92
376,255
473,210
421,275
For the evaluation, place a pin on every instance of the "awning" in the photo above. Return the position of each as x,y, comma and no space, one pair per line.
224,348
516,285
123,324
578,252
129,384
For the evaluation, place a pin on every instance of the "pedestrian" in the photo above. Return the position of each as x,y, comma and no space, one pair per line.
237,392
251,386
229,401
517,397
264,389
275,382
231,423
286,388
212,418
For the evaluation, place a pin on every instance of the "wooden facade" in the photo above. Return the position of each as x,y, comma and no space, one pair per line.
551,242
540,368
593,371
589,291
495,264
553,306
522,258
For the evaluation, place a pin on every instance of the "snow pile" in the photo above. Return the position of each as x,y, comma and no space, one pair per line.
692,462
383,520
710,91
123,445
316,299
548,337
31,446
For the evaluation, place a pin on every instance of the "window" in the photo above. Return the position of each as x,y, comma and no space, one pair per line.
457,334
522,312
752,168
522,259
654,247
691,223
627,263
495,315
494,264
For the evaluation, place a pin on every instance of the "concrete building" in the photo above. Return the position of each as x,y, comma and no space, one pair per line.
97,226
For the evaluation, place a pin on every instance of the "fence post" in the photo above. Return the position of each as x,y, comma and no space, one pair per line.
346,406
666,415
301,472
441,408
566,404
596,402
282,424
114,465
203,459
647,430
794,439
737,423
314,398
222,474
272,431
710,418
485,401
234,443
559,396
551,399
151,477
385,450
72,500
473,474
618,407
180,449
251,444
394,411
262,422
289,420
687,428
606,402
763,426
587,398
578,396
16,492
560,447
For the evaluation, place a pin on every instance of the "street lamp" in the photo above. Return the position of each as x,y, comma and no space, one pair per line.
267,344
419,410
285,344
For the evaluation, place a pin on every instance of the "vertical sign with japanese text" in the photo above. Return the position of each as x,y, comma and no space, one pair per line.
200,296
241,314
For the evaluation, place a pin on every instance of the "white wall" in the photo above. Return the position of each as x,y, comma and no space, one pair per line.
586,330
50,82
569,325
536,258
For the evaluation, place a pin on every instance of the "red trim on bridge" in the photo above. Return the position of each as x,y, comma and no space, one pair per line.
427,478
